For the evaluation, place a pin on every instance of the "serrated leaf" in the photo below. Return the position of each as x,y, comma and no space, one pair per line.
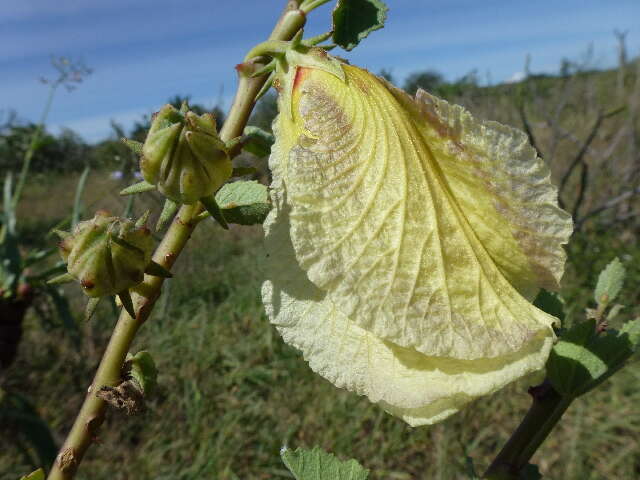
316,464
37,475
583,359
550,303
353,20
258,141
610,282
244,203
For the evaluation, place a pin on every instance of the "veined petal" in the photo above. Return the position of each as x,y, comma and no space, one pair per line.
419,389
423,226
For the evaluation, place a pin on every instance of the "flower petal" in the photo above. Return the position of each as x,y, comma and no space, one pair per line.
417,388
424,226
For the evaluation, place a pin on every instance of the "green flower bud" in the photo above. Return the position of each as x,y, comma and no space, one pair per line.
183,155
107,254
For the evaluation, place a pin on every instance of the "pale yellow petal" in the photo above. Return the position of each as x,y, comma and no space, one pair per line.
395,217
418,388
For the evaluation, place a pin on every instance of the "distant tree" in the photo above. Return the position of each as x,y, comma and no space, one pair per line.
567,68
428,80
387,75
67,151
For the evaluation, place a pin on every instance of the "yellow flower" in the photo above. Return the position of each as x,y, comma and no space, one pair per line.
406,241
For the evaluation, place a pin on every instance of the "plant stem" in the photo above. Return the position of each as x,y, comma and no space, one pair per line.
91,414
547,408
309,5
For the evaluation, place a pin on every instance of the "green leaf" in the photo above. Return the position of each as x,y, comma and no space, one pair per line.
582,359
244,203
143,370
353,20
140,187
127,302
168,211
37,475
610,282
550,303
157,270
212,207
258,141
317,464
136,147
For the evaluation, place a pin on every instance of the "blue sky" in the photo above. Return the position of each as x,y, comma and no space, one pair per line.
145,51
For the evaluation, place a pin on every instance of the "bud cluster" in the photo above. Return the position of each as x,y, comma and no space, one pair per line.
107,254
183,155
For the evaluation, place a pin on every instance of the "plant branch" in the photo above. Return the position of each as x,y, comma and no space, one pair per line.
527,127
582,187
583,150
608,204
547,408
91,414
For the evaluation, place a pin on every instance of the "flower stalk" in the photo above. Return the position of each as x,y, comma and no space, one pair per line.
545,412
144,296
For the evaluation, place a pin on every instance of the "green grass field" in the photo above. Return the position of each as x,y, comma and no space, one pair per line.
232,393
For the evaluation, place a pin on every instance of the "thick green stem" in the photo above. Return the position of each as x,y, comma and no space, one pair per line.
546,410
91,414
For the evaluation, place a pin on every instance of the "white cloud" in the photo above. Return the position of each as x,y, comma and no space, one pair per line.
516,77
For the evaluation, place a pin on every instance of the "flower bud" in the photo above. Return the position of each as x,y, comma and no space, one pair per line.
183,155
107,254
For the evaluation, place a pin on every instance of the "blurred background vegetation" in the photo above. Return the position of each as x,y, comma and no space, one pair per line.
232,393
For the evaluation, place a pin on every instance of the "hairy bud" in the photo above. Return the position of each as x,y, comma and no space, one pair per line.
183,155
107,254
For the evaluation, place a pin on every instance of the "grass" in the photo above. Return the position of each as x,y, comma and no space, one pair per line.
232,393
